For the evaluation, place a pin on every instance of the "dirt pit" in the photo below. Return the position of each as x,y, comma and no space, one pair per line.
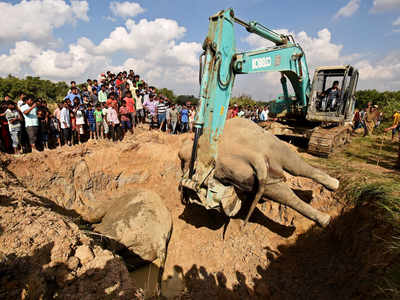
278,255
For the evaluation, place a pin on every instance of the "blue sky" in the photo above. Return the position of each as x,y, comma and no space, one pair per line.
64,40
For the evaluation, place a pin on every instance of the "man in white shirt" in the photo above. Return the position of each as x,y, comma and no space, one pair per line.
65,123
264,114
29,111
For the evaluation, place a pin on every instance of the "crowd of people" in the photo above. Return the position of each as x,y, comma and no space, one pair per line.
107,108
255,113
115,105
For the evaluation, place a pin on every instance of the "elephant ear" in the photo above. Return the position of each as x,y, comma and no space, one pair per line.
275,172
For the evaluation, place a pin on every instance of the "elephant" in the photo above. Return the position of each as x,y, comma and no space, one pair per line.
251,160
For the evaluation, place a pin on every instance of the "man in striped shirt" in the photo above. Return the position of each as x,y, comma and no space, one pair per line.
161,112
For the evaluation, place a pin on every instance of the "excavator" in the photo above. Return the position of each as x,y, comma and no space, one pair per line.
313,112
319,110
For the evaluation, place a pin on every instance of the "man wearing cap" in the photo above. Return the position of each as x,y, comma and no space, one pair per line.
396,125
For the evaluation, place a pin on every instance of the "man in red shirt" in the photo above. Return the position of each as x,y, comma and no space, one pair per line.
119,80
130,104
112,101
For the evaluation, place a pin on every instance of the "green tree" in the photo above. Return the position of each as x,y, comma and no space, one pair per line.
182,99
167,93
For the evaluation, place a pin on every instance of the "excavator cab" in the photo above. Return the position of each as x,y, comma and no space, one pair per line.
332,95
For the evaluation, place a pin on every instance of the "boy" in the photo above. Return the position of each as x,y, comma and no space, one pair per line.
43,128
14,124
91,121
98,114
105,122
125,122
130,104
113,123
184,119
65,123
139,107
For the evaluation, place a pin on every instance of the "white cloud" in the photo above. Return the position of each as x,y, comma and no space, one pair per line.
320,50
385,5
126,9
146,36
22,53
348,10
153,49
386,69
397,22
76,63
35,20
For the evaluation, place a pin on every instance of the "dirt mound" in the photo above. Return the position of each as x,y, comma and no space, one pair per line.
44,255
209,255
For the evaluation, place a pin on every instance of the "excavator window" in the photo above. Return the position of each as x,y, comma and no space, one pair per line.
329,86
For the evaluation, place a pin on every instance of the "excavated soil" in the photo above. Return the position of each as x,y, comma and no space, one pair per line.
278,255
44,255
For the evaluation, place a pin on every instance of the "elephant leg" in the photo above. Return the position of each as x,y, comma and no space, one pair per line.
281,193
260,167
296,166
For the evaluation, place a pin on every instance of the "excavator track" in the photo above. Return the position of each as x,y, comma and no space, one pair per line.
325,141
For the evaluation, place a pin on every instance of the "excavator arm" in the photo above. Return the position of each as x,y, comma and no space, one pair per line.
219,64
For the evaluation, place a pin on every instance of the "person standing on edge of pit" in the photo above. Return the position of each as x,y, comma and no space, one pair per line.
91,121
125,118
54,126
184,119
264,114
98,113
105,122
44,128
65,123
113,122
161,113
14,123
140,98
80,121
130,104
29,111
150,106
173,115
